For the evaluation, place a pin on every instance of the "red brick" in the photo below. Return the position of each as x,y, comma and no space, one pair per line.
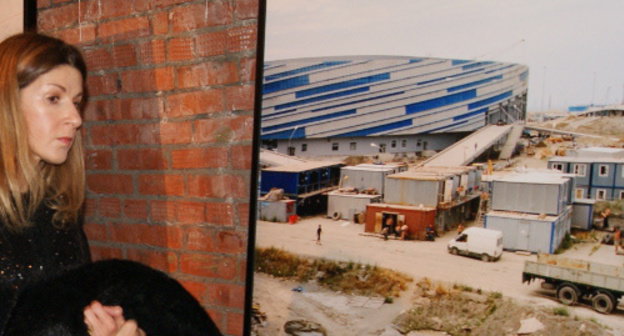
144,234
161,211
211,44
227,295
152,52
142,159
199,158
43,3
242,39
90,207
135,209
246,9
90,10
95,231
109,207
240,157
83,34
142,108
115,8
240,97
208,73
218,186
213,13
235,323
124,28
105,252
144,5
180,49
248,70
197,289
109,183
219,213
124,55
190,212
223,130
200,238
159,79
164,261
243,214
160,23
103,85
99,159
196,102
171,185
57,17
98,59
176,132
209,266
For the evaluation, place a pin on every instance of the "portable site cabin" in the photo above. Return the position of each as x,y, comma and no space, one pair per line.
306,182
583,214
533,192
342,205
599,170
416,218
366,177
276,211
530,232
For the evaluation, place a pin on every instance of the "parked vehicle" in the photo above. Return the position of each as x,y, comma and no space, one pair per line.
601,284
478,242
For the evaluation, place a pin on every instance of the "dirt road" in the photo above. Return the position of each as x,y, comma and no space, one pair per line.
341,240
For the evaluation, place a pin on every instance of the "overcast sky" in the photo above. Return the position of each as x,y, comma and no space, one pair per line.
574,48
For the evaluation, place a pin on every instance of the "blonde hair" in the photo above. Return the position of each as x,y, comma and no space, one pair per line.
24,182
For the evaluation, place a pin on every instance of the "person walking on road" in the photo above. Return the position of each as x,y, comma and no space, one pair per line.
319,230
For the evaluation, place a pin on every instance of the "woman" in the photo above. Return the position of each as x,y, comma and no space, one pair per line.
42,94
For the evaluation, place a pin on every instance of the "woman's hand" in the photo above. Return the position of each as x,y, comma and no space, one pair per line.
109,321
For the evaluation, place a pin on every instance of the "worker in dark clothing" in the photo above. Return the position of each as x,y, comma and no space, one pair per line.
318,234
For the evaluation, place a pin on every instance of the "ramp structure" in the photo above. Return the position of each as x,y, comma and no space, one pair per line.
469,148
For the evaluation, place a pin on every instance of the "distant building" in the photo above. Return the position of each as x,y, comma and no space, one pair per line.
363,105
599,170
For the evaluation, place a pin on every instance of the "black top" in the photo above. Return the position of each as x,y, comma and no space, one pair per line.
36,253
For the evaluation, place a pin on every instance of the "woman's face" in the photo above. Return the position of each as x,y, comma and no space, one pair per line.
51,107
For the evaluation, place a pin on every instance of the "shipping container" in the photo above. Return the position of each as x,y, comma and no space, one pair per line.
583,214
416,218
276,211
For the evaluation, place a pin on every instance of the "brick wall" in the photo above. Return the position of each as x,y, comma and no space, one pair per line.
168,133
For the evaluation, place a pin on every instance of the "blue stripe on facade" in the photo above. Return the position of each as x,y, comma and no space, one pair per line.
377,129
440,101
285,84
444,127
471,84
524,76
458,62
285,135
415,60
359,101
342,85
474,65
302,70
500,69
470,114
489,101
321,98
309,120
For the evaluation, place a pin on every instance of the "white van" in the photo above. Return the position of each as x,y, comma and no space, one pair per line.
486,244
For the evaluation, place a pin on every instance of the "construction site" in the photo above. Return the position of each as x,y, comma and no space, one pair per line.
537,183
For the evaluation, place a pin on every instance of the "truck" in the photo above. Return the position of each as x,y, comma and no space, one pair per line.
575,280
478,242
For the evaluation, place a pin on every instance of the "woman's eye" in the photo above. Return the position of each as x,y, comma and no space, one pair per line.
77,104
53,99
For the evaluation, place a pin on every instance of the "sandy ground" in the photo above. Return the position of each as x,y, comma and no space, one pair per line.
342,240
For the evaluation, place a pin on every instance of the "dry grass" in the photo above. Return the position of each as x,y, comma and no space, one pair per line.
346,277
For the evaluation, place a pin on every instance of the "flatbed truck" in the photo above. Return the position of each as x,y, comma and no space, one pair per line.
573,280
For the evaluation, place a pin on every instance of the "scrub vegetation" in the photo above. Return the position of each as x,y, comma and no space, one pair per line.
345,277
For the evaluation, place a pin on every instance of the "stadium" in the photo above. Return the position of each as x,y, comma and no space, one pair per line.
363,105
